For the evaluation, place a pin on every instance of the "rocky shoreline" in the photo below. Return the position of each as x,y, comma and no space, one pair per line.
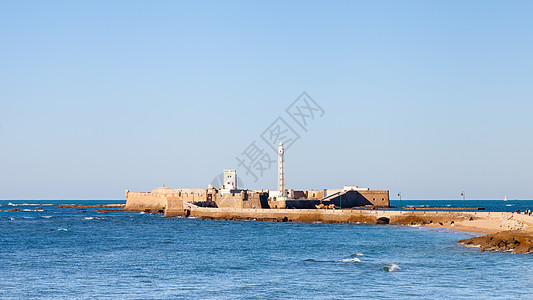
516,241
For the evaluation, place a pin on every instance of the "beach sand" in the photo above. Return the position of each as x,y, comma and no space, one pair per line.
499,234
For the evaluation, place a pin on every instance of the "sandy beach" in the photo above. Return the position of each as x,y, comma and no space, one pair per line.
513,234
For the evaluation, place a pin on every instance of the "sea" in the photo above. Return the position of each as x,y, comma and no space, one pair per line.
52,252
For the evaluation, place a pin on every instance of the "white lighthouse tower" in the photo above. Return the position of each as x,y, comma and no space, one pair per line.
281,173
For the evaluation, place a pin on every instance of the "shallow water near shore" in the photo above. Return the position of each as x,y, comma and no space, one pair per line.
55,252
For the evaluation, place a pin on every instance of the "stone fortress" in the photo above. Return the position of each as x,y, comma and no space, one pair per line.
175,202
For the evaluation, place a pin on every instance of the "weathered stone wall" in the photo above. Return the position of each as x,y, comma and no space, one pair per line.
175,207
314,194
230,200
145,202
348,200
256,200
156,201
360,198
376,197
243,199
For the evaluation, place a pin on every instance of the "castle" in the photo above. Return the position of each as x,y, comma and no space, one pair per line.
228,195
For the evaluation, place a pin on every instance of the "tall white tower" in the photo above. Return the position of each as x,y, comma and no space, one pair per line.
230,179
281,173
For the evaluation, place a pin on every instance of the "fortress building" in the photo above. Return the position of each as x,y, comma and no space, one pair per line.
163,199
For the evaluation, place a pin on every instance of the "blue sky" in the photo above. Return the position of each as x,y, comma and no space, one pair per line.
427,98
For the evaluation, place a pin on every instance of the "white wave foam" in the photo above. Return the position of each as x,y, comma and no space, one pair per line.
27,204
359,254
47,217
509,205
353,259
11,219
62,229
392,268
88,218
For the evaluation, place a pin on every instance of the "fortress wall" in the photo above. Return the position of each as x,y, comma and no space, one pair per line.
189,195
145,202
242,200
175,208
156,201
314,194
256,200
229,200
348,200
376,198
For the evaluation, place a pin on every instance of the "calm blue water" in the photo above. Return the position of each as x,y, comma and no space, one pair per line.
489,205
57,253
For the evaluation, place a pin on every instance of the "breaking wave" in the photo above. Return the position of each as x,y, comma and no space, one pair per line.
28,204
349,260
62,229
391,268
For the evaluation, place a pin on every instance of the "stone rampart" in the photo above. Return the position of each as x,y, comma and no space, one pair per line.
145,202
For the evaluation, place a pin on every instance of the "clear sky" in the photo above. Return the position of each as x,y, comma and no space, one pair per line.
426,98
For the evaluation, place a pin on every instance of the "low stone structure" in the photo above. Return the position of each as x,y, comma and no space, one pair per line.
229,196
158,199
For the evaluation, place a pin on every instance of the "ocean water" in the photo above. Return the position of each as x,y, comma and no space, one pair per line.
58,253
488,205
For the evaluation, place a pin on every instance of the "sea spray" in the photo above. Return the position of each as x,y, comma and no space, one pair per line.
349,260
391,268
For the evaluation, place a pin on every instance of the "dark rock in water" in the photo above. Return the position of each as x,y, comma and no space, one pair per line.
383,220
13,209
517,241
38,207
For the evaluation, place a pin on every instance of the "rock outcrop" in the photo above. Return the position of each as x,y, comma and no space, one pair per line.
517,241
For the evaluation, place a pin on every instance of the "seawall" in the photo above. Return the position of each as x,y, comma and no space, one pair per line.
499,220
